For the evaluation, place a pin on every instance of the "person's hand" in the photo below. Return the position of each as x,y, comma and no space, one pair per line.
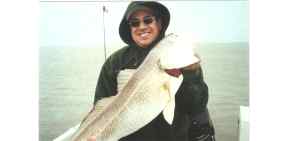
92,138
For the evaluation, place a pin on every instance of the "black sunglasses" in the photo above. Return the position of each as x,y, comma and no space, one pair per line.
134,22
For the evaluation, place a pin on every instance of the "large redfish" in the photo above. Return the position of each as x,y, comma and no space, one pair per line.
148,92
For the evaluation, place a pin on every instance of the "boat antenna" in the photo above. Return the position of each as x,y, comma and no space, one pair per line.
104,10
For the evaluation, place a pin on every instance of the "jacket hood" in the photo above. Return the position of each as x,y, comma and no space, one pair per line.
159,10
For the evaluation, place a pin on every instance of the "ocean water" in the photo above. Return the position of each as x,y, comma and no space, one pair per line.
68,77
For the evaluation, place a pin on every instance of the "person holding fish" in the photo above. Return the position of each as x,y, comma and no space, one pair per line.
142,27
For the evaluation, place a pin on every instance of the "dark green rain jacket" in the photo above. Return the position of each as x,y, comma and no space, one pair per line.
191,97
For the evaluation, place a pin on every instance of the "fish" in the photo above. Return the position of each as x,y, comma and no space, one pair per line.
148,92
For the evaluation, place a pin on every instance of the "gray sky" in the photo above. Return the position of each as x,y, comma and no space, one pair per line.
80,23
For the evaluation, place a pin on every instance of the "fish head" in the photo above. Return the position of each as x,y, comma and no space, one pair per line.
179,53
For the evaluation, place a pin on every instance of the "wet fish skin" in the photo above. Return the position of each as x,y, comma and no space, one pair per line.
145,95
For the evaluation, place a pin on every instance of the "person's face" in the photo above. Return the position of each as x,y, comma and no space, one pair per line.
144,28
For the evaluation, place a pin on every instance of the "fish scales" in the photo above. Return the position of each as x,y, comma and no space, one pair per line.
135,90
120,115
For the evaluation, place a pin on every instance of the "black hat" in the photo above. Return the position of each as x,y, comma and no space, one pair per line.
159,11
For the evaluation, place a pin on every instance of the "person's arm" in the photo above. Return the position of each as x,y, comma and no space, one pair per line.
106,85
195,92
192,96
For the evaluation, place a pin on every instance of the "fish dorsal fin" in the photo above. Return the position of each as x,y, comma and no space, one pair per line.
173,85
169,110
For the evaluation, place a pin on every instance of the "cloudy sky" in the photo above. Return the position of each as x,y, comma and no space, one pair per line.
79,24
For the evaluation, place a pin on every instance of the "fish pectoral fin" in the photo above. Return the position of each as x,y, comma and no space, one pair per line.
169,110
172,86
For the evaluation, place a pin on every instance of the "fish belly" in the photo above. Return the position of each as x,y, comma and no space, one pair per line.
148,102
